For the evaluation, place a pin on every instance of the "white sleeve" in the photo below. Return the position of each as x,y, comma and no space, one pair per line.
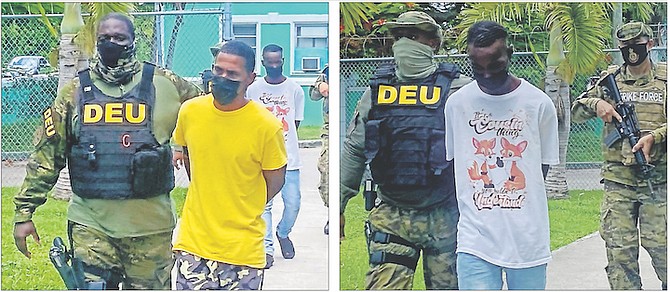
299,101
549,133
449,136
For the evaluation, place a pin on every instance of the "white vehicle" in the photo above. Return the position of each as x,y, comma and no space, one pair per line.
28,66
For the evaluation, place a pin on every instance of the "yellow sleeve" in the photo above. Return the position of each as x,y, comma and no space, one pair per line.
274,151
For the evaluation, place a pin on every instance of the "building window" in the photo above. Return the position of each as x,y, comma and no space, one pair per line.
246,33
312,35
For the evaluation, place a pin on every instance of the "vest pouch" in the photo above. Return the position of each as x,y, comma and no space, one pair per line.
373,140
79,166
437,158
658,152
152,173
628,157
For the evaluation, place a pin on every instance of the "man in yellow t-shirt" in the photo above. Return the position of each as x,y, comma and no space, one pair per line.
238,162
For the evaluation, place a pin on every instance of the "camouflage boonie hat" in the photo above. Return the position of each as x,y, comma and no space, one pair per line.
416,19
215,48
633,30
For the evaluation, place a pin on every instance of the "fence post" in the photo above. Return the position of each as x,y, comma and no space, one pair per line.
227,22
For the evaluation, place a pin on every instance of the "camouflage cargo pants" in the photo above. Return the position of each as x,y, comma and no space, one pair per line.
433,231
323,167
622,209
196,273
141,262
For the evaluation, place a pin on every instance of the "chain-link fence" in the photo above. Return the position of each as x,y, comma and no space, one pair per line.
178,40
584,155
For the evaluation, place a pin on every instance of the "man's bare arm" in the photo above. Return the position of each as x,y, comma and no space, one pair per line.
274,179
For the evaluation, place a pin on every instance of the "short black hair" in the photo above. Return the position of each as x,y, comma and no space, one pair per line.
239,48
120,17
273,48
485,33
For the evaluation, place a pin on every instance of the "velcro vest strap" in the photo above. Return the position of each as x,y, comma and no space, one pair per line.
147,79
384,74
380,257
86,84
383,237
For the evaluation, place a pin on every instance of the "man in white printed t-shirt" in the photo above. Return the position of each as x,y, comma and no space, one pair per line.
502,133
286,100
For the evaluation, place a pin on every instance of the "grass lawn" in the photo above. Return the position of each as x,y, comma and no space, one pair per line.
21,273
570,219
309,132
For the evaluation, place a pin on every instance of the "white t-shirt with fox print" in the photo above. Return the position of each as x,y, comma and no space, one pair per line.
499,144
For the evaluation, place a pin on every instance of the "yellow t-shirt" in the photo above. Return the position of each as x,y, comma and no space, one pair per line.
221,219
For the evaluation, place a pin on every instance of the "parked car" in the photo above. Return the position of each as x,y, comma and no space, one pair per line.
28,66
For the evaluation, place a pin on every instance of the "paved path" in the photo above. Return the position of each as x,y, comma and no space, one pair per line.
308,270
581,266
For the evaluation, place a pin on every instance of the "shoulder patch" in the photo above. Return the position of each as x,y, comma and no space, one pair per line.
48,123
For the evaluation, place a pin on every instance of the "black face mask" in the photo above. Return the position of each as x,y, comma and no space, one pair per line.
493,82
634,54
273,71
110,52
224,89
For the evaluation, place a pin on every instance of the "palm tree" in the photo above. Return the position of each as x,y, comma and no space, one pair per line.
579,28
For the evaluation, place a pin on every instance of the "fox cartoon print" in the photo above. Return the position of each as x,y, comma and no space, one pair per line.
485,154
511,154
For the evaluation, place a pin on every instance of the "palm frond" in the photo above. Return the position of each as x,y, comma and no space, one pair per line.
585,27
498,12
355,13
640,11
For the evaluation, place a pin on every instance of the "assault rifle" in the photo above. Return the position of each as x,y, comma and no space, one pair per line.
628,128
60,257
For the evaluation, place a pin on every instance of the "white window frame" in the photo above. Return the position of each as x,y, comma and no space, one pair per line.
274,18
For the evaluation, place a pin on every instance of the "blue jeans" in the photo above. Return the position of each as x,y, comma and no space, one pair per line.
290,194
475,273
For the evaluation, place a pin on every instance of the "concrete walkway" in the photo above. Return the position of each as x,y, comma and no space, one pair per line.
308,270
581,266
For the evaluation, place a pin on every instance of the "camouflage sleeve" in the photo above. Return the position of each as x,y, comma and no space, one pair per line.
584,107
352,160
459,82
45,163
185,89
314,93
660,134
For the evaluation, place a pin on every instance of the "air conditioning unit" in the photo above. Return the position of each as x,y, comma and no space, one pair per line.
310,64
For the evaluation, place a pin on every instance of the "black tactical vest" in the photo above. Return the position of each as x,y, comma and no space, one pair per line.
115,154
404,135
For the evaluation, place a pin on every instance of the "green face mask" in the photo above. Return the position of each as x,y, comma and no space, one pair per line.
414,59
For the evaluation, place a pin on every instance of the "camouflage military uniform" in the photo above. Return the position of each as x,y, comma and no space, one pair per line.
196,273
322,165
430,226
627,200
132,236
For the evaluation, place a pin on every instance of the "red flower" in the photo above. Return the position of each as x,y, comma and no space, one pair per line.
381,21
